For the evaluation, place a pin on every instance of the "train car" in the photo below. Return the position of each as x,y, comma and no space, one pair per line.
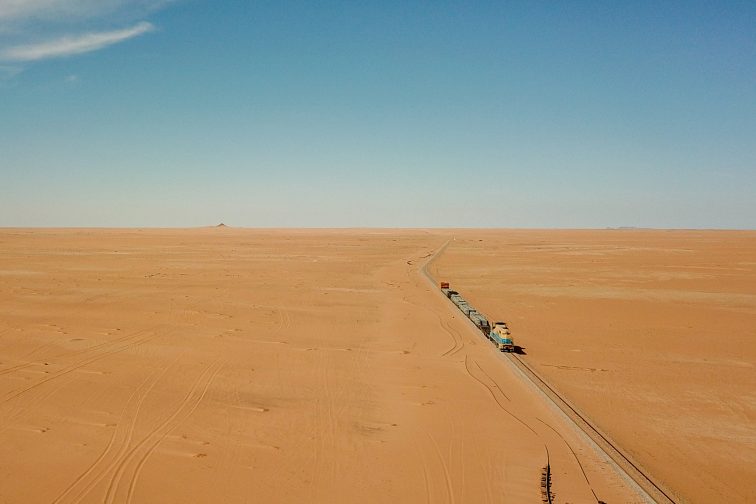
483,325
500,337
457,299
445,288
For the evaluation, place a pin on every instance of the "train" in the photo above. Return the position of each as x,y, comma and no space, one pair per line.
498,334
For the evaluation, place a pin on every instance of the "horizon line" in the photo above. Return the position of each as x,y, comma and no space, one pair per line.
402,228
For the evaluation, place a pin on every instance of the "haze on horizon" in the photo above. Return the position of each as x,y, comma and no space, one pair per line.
398,114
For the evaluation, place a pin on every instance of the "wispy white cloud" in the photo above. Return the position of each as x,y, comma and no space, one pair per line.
38,30
61,10
22,9
72,45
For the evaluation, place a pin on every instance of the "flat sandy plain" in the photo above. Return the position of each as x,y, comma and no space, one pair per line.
651,333
225,365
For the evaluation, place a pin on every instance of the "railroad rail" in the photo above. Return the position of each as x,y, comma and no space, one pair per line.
624,462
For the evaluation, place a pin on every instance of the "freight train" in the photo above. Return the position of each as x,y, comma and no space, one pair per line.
498,334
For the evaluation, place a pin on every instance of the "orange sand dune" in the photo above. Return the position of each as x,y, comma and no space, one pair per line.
262,366
652,333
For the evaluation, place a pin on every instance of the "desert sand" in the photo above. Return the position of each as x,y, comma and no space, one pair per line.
228,365
651,333
223,365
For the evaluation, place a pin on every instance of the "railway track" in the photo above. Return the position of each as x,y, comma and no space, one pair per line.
651,490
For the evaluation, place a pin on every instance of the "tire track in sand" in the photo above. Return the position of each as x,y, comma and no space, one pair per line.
501,406
445,468
426,479
150,441
70,354
139,395
459,343
582,469
154,445
22,392
73,367
495,384
457,340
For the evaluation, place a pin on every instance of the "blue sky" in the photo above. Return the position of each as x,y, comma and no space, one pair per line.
400,114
